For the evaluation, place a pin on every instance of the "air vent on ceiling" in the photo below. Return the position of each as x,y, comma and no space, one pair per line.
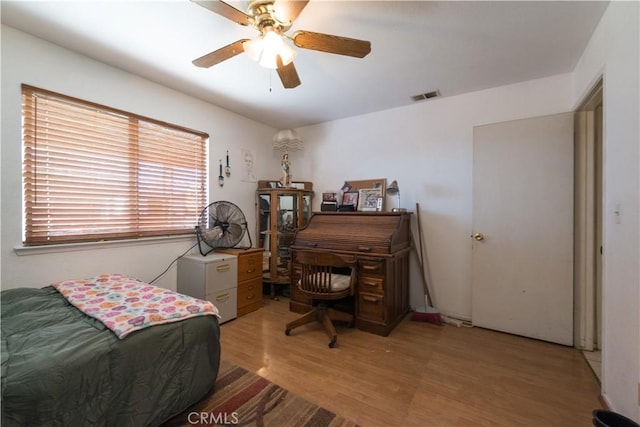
426,95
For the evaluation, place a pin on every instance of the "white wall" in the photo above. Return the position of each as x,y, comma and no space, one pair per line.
26,59
613,52
427,147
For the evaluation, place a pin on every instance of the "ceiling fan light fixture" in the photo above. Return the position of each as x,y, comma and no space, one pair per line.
267,47
253,48
273,19
287,54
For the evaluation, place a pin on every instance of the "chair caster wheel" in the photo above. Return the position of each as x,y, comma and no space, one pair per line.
287,332
332,343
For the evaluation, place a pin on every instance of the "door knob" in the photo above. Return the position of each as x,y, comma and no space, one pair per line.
478,236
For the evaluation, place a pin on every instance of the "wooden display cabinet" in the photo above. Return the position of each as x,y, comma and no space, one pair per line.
280,212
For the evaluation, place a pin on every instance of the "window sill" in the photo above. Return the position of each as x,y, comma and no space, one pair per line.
75,247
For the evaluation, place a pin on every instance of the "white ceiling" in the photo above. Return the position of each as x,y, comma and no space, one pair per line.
453,47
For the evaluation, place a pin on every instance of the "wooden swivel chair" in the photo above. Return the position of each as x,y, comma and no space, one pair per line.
320,281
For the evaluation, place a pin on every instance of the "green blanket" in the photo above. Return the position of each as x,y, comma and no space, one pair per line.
61,367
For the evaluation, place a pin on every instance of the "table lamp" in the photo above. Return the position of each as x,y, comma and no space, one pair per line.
285,140
394,191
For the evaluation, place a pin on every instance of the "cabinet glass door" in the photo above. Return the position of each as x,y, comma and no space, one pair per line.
287,223
306,210
264,216
281,212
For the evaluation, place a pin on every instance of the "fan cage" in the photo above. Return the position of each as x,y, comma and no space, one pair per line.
222,224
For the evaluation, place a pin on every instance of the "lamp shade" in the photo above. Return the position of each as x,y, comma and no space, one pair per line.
267,47
394,191
393,188
287,139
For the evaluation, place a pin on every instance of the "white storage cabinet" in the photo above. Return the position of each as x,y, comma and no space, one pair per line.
214,278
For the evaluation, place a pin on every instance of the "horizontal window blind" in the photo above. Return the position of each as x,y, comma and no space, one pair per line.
94,173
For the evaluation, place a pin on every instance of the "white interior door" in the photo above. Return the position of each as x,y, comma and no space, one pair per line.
522,259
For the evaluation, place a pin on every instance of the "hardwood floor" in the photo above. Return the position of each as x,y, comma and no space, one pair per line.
420,375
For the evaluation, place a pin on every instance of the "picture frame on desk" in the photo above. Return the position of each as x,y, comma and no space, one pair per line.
350,198
330,197
329,202
370,199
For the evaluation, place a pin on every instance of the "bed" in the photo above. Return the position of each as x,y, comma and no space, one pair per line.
61,366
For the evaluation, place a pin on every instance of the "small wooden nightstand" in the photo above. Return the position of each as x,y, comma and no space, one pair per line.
249,278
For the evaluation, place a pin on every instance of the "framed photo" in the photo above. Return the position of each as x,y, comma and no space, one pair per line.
329,197
368,199
350,198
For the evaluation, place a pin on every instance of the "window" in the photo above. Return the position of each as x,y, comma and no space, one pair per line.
94,173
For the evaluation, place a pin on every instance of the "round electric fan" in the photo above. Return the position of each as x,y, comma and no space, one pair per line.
222,225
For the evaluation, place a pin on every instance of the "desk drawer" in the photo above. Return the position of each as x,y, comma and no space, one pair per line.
329,242
249,296
226,302
371,307
370,284
249,266
221,275
371,267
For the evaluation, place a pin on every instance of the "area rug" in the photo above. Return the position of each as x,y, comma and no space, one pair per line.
242,398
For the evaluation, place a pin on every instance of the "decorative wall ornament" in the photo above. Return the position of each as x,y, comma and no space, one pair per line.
247,172
220,177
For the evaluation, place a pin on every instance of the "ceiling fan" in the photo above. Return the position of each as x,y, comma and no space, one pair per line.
270,48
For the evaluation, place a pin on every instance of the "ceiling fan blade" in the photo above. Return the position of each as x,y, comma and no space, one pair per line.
288,10
222,54
226,10
288,74
332,44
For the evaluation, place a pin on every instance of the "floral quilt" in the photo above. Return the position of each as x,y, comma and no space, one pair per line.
125,304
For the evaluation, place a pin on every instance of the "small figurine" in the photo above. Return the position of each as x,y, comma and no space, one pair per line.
286,171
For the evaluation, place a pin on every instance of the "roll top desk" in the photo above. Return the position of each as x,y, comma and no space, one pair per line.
380,242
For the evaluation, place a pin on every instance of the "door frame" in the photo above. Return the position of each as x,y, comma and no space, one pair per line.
588,225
